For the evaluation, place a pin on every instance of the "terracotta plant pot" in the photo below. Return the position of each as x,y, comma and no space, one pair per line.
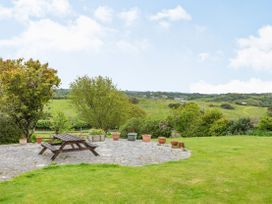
115,136
174,144
39,140
181,145
146,138
23,141
161,140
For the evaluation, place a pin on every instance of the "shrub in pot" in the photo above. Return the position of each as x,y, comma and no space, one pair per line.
97,135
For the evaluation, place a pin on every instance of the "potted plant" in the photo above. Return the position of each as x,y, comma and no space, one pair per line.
132,136
23,140
146,137
39,140
162,140
97,135
174,144
181,145
115,135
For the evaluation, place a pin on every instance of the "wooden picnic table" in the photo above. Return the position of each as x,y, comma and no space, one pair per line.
75,143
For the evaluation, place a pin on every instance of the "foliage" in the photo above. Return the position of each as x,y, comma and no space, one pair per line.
25,87
100,103
209,117
132,125
187,119
174,105
265,123
219,127
60,123
97,132
226,106
44,124
78,124
240,126
156,128
133,100
9,132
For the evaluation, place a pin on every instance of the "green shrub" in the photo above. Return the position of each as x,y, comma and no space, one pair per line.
208,118
226,106
132,125
60,123
186,118
265,123
9,132
44,124
78,124
219,127
241,126
97,132
156,128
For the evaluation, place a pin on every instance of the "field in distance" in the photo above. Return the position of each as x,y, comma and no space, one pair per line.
158,108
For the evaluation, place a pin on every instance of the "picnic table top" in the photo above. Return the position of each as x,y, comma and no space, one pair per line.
68,138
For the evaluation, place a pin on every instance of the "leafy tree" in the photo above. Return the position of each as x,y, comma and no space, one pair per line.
220,127
100,103
60,123
187,119
25,87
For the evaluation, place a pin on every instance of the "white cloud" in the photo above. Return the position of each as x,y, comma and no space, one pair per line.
129,16
104,14
235,86
23,10
168,15
255,51
47,35
132,46
203,56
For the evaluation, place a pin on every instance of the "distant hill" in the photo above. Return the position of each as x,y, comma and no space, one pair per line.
262,100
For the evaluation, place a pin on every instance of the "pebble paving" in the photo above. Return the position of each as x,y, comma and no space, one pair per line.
16,159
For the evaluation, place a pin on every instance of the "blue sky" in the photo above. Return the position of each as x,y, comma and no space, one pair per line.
187,46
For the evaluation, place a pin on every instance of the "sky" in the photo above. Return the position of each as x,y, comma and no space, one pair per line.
189,46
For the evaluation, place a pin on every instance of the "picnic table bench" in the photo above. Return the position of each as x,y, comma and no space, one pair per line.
76,143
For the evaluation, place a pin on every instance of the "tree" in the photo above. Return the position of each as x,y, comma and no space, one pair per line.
100,103
60,123
25,87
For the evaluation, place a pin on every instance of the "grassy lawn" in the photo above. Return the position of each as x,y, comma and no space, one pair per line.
221,170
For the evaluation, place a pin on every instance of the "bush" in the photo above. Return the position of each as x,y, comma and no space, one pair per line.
9,132
78,124
133,100
207,120
157,128
44,124
97,132
174,105
220,127
226,106
265,123
241,126
60,123
132,125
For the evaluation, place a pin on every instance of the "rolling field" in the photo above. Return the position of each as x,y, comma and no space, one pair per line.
232,169
158,109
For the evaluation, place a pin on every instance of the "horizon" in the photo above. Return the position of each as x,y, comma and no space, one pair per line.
175,46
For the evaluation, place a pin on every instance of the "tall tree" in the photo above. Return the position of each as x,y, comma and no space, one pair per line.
25,87
100,103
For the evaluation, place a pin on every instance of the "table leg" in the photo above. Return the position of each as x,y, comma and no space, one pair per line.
56,153
43,150
91,149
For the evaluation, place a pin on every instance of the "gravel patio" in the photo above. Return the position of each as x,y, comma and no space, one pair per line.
16,159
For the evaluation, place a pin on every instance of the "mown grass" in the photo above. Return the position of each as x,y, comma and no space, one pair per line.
221,170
